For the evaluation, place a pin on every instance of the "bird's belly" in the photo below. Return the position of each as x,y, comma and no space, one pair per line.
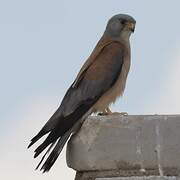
114,92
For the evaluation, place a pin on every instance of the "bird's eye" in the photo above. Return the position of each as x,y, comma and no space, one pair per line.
123,22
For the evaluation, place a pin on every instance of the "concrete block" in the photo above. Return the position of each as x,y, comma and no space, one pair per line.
142,178
135,142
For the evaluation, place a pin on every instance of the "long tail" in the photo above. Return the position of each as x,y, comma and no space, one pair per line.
49,126
59,132
56,139
55,153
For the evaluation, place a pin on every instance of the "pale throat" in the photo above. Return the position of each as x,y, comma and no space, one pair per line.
124,36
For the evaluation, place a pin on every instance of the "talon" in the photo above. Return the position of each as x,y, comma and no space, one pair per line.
107,112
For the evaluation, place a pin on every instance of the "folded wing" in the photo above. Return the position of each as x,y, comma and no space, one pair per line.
94,79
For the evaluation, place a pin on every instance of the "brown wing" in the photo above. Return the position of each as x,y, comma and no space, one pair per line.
96,79
97,50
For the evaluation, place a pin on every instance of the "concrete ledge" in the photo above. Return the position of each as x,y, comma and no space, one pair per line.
121,175
142,178
139,143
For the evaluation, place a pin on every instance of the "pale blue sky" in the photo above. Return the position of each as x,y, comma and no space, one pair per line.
44,43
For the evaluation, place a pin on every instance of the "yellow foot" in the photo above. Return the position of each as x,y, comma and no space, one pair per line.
107,112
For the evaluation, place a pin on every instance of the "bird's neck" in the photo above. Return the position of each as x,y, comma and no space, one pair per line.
123,38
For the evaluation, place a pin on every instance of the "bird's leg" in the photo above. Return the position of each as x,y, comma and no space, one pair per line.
109,112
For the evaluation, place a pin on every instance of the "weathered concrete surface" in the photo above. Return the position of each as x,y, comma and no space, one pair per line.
142,178
140,143
115,175
92,175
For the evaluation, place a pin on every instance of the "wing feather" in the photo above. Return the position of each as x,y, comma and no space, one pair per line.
96,78
103,42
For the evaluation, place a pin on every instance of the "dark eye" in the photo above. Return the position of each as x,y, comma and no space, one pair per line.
123,22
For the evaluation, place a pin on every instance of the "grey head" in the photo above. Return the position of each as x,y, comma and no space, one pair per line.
120,27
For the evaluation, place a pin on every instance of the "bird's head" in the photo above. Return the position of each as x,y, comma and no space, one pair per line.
120,26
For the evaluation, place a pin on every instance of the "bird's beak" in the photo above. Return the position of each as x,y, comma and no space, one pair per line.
131,26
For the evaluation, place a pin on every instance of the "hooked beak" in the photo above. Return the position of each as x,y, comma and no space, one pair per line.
131,26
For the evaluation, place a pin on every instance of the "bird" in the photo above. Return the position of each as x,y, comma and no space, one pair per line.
99,83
